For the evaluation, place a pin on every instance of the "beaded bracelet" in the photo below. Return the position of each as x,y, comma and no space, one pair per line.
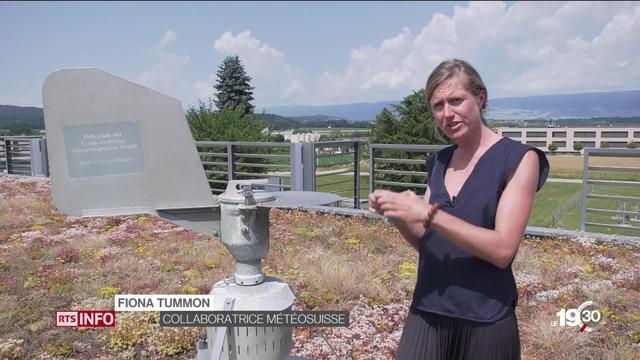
432,212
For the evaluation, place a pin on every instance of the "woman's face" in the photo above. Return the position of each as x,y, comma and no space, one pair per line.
456,110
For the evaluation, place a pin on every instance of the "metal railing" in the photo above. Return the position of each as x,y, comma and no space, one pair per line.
329,166
224,161
287,166
336,169
399,167
612,204
334,166
23,155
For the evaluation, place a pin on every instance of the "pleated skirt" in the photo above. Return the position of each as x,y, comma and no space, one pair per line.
436,337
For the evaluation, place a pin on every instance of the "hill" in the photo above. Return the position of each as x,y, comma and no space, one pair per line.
353,112
584,105
619,105
277,122
12,117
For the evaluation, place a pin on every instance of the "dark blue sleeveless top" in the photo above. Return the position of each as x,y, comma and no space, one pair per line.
451,281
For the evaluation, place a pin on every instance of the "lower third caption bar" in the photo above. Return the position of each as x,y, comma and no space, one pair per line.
255,318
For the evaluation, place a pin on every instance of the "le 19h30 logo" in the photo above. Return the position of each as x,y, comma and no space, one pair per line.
85,318
584,317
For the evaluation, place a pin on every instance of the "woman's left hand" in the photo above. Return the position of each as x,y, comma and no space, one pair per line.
405,206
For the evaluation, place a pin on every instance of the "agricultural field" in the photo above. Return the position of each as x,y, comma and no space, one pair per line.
570,167
51,261
551,197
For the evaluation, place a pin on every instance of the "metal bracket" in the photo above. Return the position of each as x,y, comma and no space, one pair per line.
247,191
221,331
205,220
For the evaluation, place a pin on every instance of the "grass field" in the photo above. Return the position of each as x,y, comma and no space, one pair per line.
570,167
552,196
548,199
612,218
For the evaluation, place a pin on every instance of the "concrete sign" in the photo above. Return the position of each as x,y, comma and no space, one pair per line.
118,148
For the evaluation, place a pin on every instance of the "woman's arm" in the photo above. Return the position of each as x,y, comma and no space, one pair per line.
411,231
497,246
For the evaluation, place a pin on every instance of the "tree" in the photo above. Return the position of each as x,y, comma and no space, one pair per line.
207,124
604,145
413,124
577,146
384,129
552,147
632,145
21,131
233,89
224,125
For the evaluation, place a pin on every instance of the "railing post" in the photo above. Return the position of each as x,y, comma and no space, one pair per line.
371,167
295,152
356,174
585,189
309,166
7,152
4,156
38,152
231,160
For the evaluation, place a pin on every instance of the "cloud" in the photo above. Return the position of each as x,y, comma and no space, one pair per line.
246,45
168,38
275,81
166,74
608,61
524,48
204,88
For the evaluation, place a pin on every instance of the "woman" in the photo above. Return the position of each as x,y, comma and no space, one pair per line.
467,229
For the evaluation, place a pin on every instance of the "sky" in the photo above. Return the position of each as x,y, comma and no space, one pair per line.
322,53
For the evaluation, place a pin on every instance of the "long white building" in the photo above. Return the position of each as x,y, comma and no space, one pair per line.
565,137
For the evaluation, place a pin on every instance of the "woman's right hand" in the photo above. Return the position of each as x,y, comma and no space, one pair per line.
374,205
405,206
401,210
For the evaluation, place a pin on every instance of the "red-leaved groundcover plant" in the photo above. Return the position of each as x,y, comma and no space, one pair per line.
50,261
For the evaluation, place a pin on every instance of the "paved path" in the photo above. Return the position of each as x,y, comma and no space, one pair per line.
364,173
571,181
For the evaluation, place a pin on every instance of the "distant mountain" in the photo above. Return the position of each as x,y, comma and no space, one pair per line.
585,105
353,112
277,122
614,104
12,117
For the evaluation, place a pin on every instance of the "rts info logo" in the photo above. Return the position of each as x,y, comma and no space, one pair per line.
85,318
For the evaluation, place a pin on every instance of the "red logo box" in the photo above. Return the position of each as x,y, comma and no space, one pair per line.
85,318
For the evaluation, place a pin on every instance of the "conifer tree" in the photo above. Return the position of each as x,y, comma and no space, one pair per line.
412,125
409,122
233,88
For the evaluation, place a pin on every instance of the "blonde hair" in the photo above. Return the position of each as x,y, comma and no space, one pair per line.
450,68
